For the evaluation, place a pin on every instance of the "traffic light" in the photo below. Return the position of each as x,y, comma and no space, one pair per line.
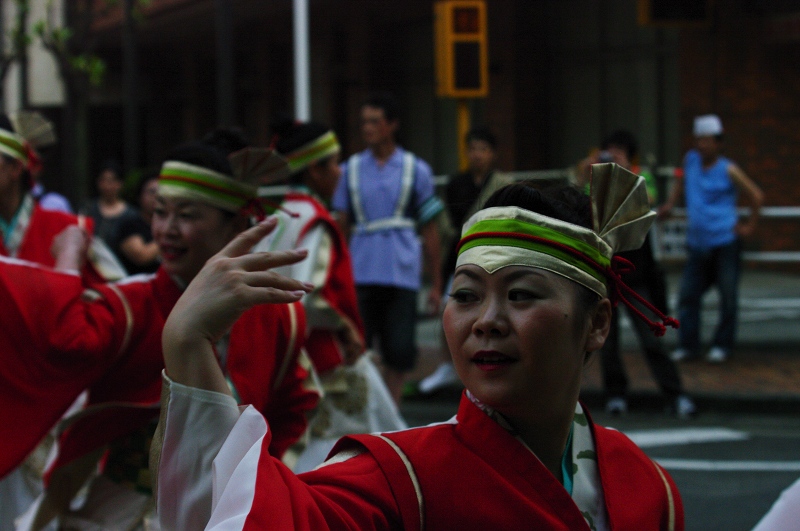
462,69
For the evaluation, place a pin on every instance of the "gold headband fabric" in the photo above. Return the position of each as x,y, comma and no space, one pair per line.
620,207
499,237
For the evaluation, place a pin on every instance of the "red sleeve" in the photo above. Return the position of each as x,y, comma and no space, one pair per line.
55,339
350,495
639,493
293,398
264,366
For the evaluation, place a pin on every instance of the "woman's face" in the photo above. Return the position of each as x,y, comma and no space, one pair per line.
149,196
188,233
519,339
10,174
325,176
109,184
480,155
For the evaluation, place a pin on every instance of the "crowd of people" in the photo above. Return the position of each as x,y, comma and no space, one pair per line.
191,363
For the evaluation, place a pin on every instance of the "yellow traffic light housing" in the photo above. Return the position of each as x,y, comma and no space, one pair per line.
462,69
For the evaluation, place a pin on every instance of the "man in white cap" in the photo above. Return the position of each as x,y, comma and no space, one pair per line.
710,186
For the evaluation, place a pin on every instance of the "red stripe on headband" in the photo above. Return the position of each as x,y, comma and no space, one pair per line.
538,239
613,273
205,184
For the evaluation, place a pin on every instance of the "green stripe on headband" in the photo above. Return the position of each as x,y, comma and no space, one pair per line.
515,233
318,149
218,188
13,145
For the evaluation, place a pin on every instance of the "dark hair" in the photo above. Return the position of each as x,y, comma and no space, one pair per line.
227,139
624,139
5,123
288,134
483,134
201,153
150,174
386,102
562,202
112,165
27,179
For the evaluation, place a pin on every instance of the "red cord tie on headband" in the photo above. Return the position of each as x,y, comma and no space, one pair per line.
255,208
618,290
34,162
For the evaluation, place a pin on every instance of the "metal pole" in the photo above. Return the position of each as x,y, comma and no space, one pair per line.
226,104
130,90
463,123
302,87
22,48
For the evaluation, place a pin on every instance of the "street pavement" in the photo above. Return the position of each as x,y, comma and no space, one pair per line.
762,374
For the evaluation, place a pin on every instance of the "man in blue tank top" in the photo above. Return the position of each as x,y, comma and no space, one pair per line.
710,186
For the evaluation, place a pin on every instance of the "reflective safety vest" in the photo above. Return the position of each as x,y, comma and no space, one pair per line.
398,220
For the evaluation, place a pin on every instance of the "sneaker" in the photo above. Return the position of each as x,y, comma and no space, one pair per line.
717,355
616,406
685,407
444,376
680,354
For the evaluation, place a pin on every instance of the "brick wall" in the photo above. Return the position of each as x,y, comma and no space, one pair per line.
737,69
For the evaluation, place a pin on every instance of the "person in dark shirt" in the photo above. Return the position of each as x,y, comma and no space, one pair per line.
137,250
649,281
109,210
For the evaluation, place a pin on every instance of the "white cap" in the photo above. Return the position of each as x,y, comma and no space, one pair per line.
707,125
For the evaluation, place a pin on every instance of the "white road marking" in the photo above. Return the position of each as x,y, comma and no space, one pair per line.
681,436
673,437
728,466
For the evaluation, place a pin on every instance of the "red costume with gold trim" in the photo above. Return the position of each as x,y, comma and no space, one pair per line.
468,473
335,285
42,228
57,339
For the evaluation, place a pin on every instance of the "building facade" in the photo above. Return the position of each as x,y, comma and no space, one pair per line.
563,73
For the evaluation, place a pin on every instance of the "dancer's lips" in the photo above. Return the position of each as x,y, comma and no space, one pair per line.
491,359
170,252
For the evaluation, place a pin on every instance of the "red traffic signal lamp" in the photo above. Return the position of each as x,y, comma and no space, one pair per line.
462,69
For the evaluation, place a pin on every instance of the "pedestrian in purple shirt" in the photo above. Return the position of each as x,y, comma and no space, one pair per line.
385,196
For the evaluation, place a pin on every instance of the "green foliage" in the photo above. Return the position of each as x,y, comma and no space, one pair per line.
90,65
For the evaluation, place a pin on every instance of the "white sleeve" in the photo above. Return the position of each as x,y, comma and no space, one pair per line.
315,268
235,471
196,423
785,513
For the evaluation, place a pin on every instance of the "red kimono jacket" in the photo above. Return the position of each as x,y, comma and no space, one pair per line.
468,473
337,290
57,339
43,227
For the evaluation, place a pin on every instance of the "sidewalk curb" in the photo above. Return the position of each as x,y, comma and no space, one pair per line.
595,400
706,402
